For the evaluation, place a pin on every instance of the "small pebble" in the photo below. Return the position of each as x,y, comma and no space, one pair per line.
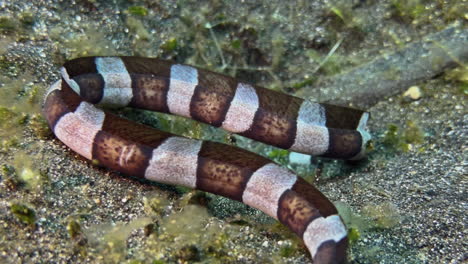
413,93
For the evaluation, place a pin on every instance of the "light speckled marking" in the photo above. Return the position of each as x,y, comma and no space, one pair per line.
323,229
175,162
117,81
75,87
311,134
182,85
366,136
126,154
242,110
78,129
266,186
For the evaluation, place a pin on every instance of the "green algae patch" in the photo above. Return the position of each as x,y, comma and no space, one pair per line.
155,204
74,229
18,26
22,173
110,240
136,27
344,17
10,178
27,18
403,139
5,42
138,10
408,9
10,128
307,81
170,45
189,235
460,77
464,88
188,226
30,176
353,235
288,250
330,64
194,197
413,133
8,25
20,101
278,50
27,172
418,12
355,223
87,42
392,136
78,237
176,125
20,110
39,126
385,215
280,156
291,243
381,216
6,115
188,253
23,213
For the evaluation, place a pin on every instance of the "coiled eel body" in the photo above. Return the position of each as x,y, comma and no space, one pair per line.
261,114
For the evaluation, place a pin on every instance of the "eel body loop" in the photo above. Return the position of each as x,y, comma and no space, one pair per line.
261,114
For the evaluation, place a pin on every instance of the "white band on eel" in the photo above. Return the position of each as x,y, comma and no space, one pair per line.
241,113
323,229
184,80
78,129
117,82
311,134
175,162
266,186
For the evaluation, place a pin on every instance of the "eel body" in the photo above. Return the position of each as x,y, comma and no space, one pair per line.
261,114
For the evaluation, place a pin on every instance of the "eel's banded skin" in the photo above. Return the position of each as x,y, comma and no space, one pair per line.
141,151
261,114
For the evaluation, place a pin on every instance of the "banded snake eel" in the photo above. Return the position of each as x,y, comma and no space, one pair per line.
264,115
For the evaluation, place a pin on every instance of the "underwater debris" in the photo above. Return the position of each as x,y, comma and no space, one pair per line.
25,166
353,235
460,76
189,253
355,223
78,237
413,93
408,10
405,139
74,229
8,25
90,41
138,10
288,250
385,215
370,83
23,213
170,45
10,178
136,27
